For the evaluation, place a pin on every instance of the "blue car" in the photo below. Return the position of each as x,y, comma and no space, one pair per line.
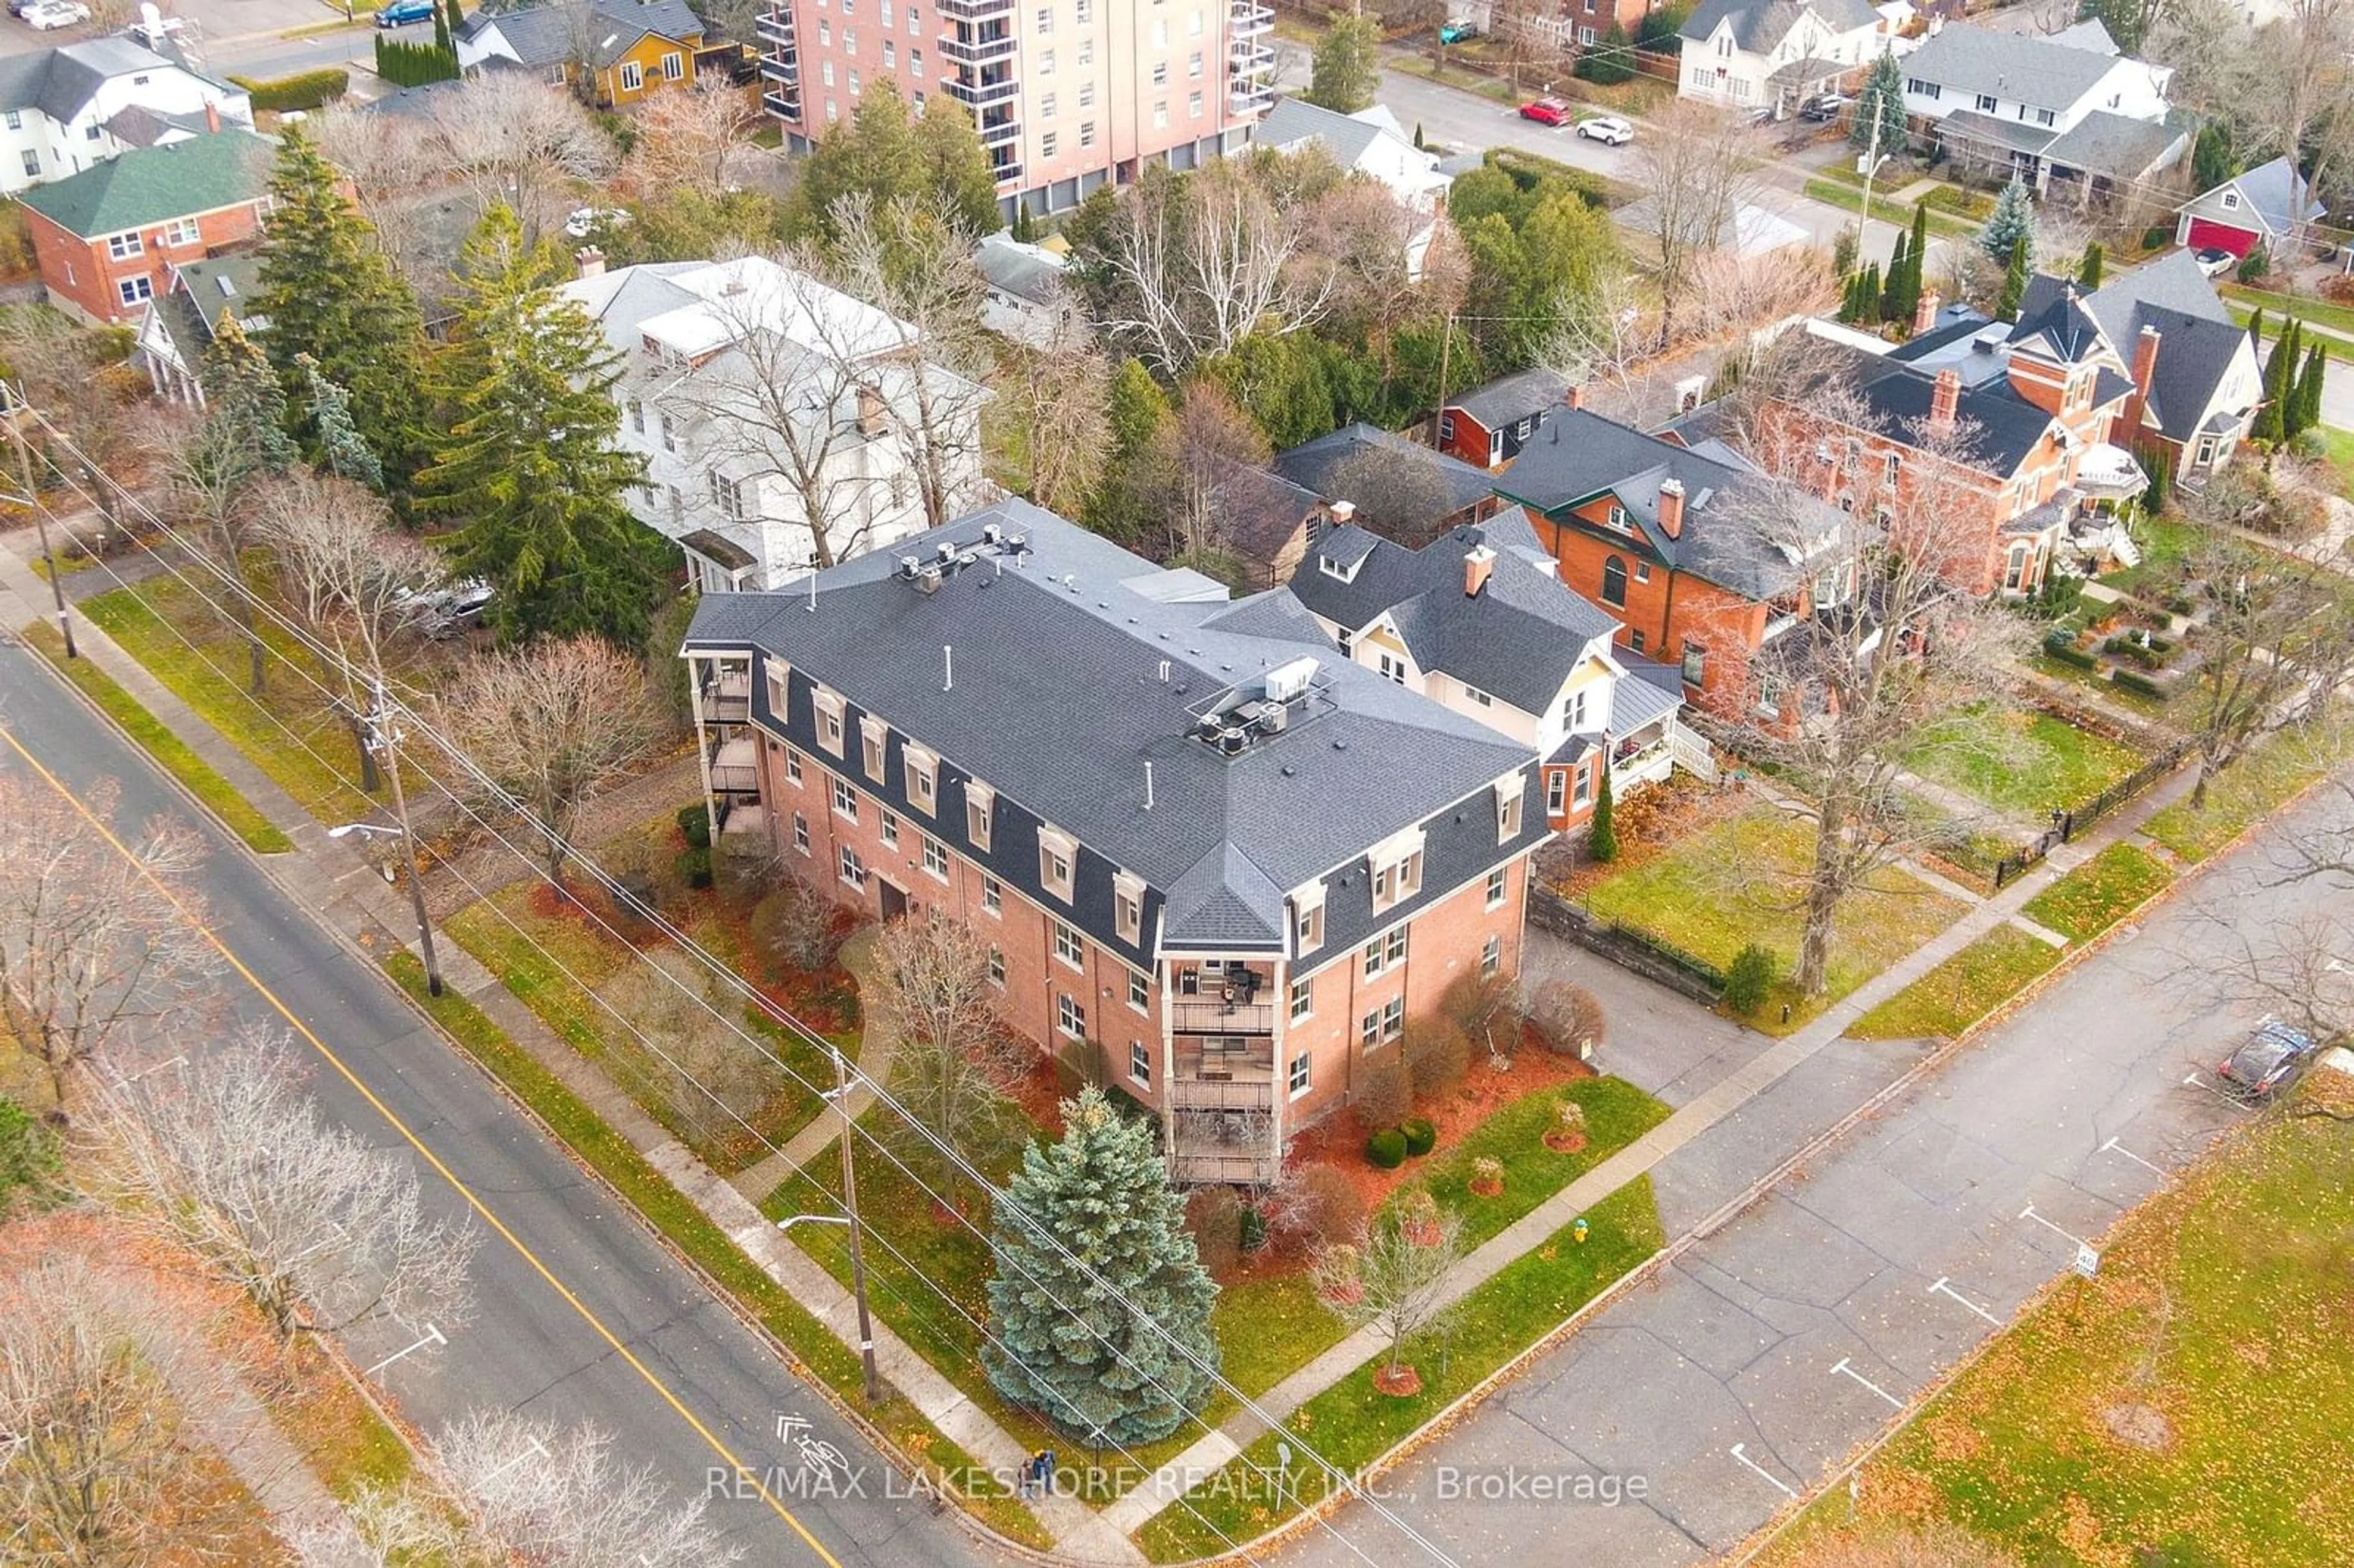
1458,32
401,13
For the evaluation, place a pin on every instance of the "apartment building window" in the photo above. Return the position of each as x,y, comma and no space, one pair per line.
1067,946
1491,957
1556,791
888,826
1385,952
1695,663
1086,133
992,894
1642,571
916,69
850,46
122,247
1496,887
825,69
182,231
1508,808
882,14
1140,1064
1385,1025
135,291
829,719
1193,64
854,83
997,966
825,36
1069,1016
673,65
1160,115
1635,640
1297,1078
1046,62
936,857
1614,582
1397,873
845,799
792,765
636,410
1087,51
1307,921
1139,992
1045,18
1055,850
1085,12
832,110
668,430
800,832
853,870
876,744
1046,145
1193,106
890,54
32,165
633,76
914,21
1087,93
1128,907
1161,74
923,779
1047,106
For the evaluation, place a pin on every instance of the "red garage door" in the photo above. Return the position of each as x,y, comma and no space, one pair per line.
2206,234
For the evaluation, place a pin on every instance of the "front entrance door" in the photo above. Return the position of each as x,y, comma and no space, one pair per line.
895,900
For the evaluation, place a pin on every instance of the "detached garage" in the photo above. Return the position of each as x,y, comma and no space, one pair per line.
2258,208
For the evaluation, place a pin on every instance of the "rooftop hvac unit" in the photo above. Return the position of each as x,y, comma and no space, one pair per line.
1273,717
1233,738
928,581
1288,681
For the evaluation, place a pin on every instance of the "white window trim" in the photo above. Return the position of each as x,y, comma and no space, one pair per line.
980,811
1053,840
1127,894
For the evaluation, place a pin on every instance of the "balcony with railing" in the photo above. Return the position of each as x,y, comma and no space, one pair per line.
1248,58
1006,170
784,105
974,10
1246,20
986,91
735,767
782,66
999,130
727,693
978,47
1213,1015
1248,97
1234,1140
775,26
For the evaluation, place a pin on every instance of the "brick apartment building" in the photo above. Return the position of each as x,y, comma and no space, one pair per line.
108,238
1070,95
1215,862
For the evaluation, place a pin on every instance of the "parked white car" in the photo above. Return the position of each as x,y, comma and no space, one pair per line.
1607,129
53,14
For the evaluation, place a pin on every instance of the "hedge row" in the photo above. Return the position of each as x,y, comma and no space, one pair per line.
414,65
304,90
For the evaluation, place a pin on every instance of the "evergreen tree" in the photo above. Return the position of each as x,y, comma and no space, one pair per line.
1025,228
1881,103
329,291
1867,296
1347,65
2012,220
2256,330
2309,387
2088,271
2213,159
2160,466
1123,1345
527,458
1891,293
1915,260
1602,834
442,38
1419,145
1605,61
2271,415
245,407
887,153
2014,282
1139,475
341,449
452,16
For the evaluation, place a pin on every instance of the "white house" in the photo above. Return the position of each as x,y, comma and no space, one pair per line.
64,109
1774,53
1370,142
758,395
2068,107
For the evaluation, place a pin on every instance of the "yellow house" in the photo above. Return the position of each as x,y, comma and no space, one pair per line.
629,47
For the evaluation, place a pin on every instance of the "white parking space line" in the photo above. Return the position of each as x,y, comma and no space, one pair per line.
1843,1366
1770,1478
2196,1082
432,1337
2029,1214
2114,1147
1943,1286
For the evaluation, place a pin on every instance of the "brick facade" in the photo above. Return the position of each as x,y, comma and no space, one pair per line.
86,277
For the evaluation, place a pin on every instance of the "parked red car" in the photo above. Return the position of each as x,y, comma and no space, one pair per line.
1546,112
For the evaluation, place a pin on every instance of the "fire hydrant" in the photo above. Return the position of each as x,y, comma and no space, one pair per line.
1577,1231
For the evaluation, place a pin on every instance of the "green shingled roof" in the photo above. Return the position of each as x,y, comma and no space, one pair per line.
156,185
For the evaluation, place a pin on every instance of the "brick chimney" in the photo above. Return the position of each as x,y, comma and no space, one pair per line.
1477,563
1578,395
590,261
1343,513
212,118
2145,369
1924,313
1671,508
871,422
1945,401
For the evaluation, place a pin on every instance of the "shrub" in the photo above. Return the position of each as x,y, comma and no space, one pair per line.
304,90
694,822
1567,1019
1486,1009
2061,646
1386,1148
1749,978
1487,1176
693,867
1385,1094
2063,592
795,926
1436,1058
2254,265
2135,680
2339,289
1214,1216
1254,1230
414,65
1421,1137
29,1164
1316,1205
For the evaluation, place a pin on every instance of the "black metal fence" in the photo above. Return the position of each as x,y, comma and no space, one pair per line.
1629,948
2067,825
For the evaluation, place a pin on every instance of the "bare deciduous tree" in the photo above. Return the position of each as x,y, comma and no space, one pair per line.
1696,170
1196,263
684,138
95,1374
91,939
1058,395
545,726
510,139
952,1052
701,1059
1212,436
386,156
2288,82
344,566
320,1229
1399,492
1394,1278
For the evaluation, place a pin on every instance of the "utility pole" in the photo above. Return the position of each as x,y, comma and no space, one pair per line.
1871,168
387,736
850,1206
32,498
1446,353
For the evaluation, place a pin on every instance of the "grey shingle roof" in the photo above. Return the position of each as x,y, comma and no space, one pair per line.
1315,465
1256,513
1518,641
221,283
1725,539
2045,72
2116,145
60,81
2268,193
2198,340
550,35
1759,26
2000,426
1294,120
1514,398
1058,703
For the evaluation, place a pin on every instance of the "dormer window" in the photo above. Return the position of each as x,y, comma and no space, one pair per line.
923,778
829,707
877,738
979,806
1057,851
1128,907
781,682
1395,868
1508,807
1306,920
1618,516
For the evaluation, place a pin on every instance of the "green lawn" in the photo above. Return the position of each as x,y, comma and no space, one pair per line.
1617,1114
2023,762
1847,197
1962,989
812,1344
2099,893
2164,541
289,731
2339,447
1736,883
2138,702
2339,318
170,752
2216,1334
1350,1426
2277,769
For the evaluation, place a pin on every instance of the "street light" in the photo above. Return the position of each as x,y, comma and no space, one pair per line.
838,1096
16,409
416,888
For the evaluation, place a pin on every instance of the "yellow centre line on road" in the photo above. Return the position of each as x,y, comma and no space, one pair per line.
741,1470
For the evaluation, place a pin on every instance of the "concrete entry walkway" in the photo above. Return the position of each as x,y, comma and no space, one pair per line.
859,956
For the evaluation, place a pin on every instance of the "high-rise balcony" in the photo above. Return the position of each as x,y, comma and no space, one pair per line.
991,46
785,104
1244,96
1248,58
1244,20
980,95
1008,171
775,26
1000,132
975,10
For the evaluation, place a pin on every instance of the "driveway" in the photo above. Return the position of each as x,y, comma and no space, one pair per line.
1799,1328
243,36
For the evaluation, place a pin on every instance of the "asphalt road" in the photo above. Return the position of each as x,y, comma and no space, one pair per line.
1795,1331
537,1337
